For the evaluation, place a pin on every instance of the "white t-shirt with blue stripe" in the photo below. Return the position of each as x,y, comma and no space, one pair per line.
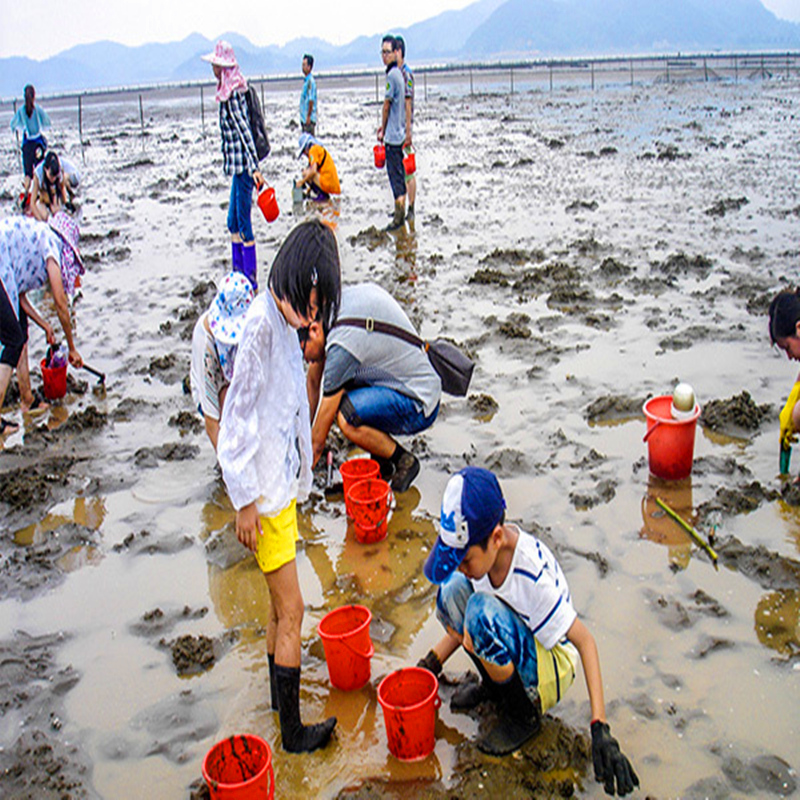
536,589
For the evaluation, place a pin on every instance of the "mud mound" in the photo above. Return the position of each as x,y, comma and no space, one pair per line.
371,238
88,420
175,451
487,277
734,415
767,568
738,499
679,264
722,207
144,543
186,421
30,486
192,654
613,407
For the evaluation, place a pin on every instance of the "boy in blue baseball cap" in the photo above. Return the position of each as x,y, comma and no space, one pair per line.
504,599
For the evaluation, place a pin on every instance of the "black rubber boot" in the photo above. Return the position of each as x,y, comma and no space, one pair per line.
398,218
471,694
273,682
520,719
298,738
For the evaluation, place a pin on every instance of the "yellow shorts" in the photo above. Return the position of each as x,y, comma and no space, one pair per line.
556,669
276,544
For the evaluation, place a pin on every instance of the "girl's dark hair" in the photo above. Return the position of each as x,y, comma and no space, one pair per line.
53,188
308,258
784,314
30,96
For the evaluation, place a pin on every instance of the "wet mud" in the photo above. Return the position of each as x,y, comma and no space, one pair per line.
588,250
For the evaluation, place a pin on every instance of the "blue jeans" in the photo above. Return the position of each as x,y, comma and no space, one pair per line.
386,410
499,636
240,205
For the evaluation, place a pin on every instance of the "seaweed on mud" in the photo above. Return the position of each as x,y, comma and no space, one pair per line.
734,415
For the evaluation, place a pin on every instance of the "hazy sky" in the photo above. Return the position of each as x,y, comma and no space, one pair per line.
41,28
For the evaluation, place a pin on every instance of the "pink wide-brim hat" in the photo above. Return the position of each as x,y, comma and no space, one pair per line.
223,55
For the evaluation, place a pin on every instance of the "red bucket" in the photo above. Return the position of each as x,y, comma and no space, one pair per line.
370,501
670,442
410,163
409,698
348,647
380,155
354,470
268,204
55,381
240,768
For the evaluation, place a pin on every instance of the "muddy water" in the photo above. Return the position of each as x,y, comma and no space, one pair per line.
589,250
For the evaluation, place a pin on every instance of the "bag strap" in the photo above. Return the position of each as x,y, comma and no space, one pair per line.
369,325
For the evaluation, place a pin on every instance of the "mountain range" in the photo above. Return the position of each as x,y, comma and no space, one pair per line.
486,30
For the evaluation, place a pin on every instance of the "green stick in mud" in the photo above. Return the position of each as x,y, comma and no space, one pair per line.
692,532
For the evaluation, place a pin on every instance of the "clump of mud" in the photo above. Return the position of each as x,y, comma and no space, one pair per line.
371,238
738,499
613,407
174,451
722,207
30,486
192,654
186,421
90,419
734,415
487,277
482,404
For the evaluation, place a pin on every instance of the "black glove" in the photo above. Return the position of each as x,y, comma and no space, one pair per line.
431,663
609,762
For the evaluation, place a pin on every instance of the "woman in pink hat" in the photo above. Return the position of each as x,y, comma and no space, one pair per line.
240,159
34,254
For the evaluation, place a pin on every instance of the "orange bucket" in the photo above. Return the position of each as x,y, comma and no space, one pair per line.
380,155
55,381
354,470
670,442
268,204
240,768
409,698
348,647
370,501
410,163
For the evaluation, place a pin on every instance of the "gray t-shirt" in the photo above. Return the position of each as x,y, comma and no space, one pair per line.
355,357
395,132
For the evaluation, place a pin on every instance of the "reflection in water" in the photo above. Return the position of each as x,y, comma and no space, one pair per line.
778,621
86,512
659,527
405,259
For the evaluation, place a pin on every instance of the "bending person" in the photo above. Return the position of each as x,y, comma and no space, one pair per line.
34,254
374,385
54,183
504,598
240,159
214,342
264,450
784,331
320,175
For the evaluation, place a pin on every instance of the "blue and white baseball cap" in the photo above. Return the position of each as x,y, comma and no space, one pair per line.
472,506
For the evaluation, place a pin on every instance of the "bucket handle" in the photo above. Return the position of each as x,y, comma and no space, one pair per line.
650,431
368,654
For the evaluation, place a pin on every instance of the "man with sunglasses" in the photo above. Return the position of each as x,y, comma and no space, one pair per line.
392,132
375,385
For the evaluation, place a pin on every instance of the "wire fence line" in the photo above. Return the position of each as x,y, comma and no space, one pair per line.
83,109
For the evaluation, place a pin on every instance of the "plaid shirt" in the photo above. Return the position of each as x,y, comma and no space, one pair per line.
238,147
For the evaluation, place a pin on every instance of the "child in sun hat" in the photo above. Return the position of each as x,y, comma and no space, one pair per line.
34,254
240,159
214,341
320,175
264,449
503,598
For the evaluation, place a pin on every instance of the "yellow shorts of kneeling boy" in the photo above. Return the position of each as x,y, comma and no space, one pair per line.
556,670
277,542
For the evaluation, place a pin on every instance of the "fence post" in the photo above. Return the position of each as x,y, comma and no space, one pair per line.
736,68
425,81
705,69
141,118
80,127
666,63
202,111
551,77
592,75
470,81
787,66
512,78
16,133
631,72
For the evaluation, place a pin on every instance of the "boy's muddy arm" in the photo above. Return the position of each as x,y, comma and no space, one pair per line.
439,653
